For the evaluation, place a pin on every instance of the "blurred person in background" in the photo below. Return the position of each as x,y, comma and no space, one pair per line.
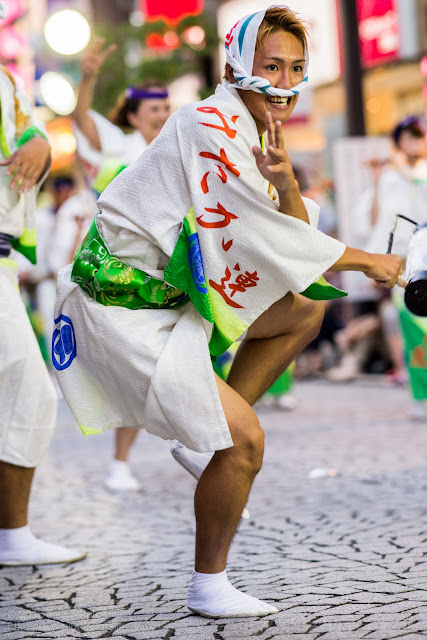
27,396
73,220
38,282
106,147
399,187
356,341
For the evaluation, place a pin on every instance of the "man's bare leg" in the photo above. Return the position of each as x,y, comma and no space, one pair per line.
272,343
18,545
15,487
218,510
220,497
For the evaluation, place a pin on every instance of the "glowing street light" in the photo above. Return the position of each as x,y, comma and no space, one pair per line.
57,93
67,32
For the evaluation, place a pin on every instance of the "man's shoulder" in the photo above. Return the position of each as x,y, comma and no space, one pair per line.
218,117
222,102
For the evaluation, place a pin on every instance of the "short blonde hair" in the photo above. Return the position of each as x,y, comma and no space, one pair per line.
282,19
279,19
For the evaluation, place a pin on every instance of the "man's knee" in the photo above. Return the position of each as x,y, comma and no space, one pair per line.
248,448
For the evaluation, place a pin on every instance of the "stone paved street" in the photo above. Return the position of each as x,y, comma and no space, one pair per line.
343,558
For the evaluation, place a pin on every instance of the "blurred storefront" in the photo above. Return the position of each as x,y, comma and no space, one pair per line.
393,39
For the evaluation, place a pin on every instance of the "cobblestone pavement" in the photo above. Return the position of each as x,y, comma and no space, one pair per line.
343,558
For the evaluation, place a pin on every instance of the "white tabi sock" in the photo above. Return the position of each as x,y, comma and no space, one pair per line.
20,547
211,595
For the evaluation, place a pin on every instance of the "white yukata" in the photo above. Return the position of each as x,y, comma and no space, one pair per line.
196,183
27,396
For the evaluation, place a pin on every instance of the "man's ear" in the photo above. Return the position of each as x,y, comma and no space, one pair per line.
229,73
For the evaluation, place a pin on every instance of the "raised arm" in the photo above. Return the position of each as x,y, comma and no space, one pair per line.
92,60
275,166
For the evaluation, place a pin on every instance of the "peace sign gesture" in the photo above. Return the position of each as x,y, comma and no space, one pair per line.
94,57
275,166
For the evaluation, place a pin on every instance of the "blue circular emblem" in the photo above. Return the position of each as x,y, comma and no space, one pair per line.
196,264
64,348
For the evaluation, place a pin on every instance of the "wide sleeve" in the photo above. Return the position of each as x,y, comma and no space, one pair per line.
111,137
238,222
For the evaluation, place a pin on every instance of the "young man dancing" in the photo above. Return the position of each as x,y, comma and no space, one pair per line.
202,239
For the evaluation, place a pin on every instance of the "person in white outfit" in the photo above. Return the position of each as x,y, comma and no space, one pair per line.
399,187
38,281
27,396
203,239
106,147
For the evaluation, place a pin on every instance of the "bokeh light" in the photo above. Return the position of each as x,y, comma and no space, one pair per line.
171,39
67,32
57,93
194,36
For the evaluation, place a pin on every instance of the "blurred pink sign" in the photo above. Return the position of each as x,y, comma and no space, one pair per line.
379,34
11,43
13,9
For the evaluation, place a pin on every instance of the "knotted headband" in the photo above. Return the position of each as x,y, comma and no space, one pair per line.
240,45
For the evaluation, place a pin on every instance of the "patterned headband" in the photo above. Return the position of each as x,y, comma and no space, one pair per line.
240,45
133,93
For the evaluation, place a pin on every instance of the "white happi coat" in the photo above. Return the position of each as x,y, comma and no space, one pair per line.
27,396
151,368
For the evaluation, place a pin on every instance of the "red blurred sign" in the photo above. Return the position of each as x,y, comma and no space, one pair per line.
170,11
379,34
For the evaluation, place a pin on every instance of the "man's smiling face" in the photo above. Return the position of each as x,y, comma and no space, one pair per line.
280,60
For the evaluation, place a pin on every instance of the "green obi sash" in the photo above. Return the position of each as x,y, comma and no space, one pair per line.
109,281
185,270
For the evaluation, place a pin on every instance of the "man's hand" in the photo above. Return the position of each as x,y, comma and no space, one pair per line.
275,166
94,57
28,164
384,269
